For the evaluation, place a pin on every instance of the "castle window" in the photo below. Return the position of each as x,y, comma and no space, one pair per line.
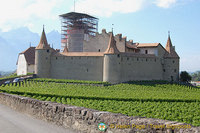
174,70
56,58
146,59
99,50
163,70
173,61
47,50
127,58
118,55
137,59
146,51
155,60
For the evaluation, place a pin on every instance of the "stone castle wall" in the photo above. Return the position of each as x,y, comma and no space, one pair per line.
77,67
86,120
99,43
110,68
141,68
114,68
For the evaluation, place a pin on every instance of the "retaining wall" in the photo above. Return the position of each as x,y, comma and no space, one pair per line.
87,120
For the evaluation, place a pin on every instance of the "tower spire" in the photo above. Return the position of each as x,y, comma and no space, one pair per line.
168,33
170,49
112,48
112,28
169,46
43,44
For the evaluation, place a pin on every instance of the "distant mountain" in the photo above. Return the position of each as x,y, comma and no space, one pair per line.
54,39
2,73
18,40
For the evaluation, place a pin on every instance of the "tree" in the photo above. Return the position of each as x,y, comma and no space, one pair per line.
196,76
185,77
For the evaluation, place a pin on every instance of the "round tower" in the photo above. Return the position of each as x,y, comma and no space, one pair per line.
171,62
43,58
112,63
112,68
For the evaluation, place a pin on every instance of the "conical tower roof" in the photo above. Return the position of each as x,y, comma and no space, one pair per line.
169,46
65,50
112,48
43,44
170,49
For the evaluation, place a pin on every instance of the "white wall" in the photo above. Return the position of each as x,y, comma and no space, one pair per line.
22,65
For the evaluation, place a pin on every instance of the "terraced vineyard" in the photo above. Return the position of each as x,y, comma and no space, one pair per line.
164,101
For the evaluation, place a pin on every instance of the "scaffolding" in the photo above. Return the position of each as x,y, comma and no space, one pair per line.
75,28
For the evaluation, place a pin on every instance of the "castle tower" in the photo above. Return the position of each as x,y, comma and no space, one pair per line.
76,27
171,62
42,57
112,62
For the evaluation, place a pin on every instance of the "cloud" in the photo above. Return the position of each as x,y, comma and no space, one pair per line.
18,13
108,7
165,3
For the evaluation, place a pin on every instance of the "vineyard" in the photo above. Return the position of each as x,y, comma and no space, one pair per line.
163,101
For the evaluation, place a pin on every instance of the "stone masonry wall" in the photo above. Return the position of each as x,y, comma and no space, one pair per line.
86,120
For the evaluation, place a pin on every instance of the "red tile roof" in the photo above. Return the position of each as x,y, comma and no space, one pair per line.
141,45
112,48
29,55
43,44
171,53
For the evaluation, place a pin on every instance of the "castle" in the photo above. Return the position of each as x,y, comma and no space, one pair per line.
104,57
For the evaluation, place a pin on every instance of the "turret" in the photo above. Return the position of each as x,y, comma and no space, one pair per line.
112,62
43,57
171,62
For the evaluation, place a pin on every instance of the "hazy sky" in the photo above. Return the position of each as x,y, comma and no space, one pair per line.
145,21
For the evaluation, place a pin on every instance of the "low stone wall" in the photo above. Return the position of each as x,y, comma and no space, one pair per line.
87,120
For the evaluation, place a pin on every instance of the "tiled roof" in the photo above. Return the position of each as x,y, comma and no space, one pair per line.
43,44
171,53
112,48
140,45
131,46
29,55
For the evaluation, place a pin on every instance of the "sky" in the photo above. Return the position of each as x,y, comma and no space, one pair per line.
144,21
